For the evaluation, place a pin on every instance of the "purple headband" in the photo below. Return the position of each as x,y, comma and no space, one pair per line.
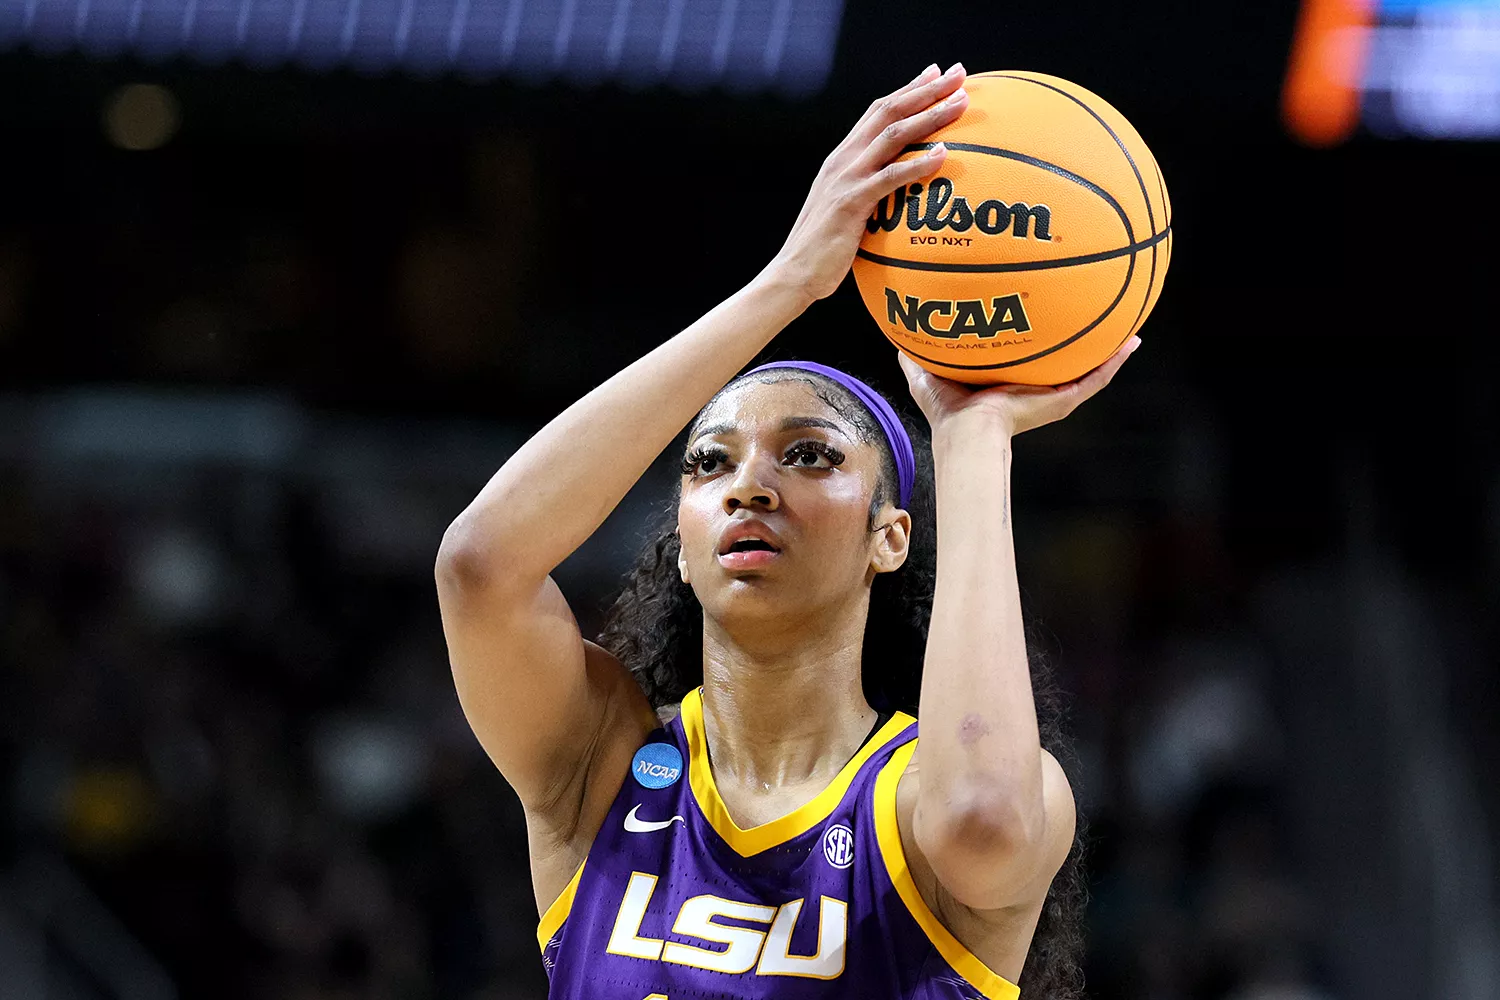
895,432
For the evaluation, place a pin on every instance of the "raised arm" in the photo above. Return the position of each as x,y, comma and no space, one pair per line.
993,815
548,706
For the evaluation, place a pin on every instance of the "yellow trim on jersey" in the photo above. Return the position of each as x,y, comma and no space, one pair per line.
747,843
553,919
888,837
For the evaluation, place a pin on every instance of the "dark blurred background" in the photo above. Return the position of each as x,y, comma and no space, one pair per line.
265,331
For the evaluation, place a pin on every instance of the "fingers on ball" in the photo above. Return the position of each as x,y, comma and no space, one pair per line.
899,172
906,102
897,135
931,72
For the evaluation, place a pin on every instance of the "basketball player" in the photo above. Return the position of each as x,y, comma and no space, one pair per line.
724,797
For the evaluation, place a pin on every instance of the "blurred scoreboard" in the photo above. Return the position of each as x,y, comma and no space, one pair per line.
1424,68
744,45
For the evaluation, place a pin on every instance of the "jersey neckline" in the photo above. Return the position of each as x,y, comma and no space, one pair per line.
749,842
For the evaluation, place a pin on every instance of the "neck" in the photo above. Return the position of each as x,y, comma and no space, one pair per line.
780,712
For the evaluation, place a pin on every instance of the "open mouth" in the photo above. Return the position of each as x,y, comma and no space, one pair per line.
748,552
751,545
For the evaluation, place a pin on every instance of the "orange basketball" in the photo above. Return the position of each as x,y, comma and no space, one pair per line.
1037,249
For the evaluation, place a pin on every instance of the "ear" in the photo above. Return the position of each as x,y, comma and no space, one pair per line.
892,542
682,569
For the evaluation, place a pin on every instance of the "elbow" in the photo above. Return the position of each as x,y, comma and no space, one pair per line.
975,821
467,562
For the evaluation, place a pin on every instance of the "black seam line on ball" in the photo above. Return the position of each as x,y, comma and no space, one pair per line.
1151,289
1150,214
1064,172
1161,187
1129,277
1145,196
1024,265
1140,317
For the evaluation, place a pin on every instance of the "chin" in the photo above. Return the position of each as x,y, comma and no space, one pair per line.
750,597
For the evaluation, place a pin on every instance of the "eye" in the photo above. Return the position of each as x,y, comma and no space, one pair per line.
813,455
704,461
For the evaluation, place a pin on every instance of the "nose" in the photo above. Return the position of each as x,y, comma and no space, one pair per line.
752,486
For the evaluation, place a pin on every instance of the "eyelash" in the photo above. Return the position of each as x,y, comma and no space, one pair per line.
697,456
828,451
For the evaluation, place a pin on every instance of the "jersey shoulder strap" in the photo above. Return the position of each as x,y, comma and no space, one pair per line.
895,868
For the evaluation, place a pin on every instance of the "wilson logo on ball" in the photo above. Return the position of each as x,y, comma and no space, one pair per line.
942,210
1006,314
1070,180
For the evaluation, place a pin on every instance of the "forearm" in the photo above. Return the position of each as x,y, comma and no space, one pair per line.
981,753
561,484
558,488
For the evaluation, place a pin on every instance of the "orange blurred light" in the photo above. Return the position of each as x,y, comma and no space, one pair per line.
1321,101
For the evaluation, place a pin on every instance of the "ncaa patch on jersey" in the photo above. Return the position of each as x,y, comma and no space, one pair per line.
838,845
657,765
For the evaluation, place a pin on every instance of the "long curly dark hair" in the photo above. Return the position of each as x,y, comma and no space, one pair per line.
655,627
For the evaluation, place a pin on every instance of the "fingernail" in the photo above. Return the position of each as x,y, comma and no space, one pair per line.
955,97
955,68
936,151
1135,342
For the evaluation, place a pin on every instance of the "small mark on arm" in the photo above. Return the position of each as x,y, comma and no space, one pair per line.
972,728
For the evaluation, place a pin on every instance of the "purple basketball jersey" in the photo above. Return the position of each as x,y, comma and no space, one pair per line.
676,902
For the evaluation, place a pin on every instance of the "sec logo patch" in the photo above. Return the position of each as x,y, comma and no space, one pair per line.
838,845
657,765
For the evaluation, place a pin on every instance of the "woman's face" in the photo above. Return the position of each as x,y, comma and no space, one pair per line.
775,511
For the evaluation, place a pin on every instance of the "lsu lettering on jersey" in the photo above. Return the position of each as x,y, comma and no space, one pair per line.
676,902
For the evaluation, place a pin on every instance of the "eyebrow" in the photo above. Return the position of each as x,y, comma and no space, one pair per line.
789,424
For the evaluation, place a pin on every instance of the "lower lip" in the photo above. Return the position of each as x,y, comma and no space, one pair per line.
753,559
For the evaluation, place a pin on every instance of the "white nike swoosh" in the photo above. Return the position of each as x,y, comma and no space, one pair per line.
633,825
